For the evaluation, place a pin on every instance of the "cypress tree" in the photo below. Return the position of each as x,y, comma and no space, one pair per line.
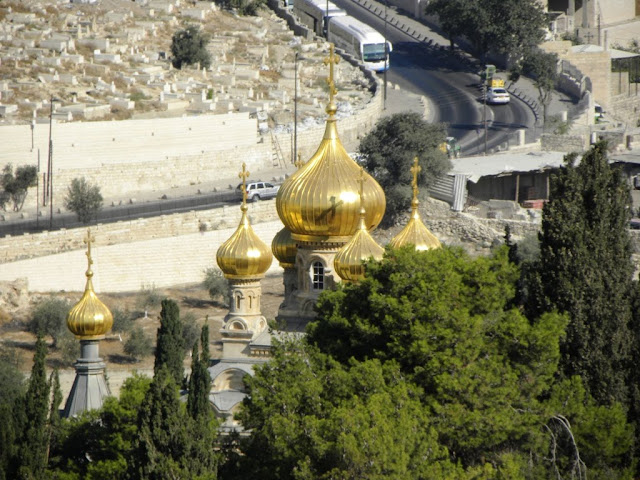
200,380
585,270
170,344
33,439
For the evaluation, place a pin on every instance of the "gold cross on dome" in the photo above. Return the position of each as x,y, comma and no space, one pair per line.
88,241
244,174
415,170
331,60
299,163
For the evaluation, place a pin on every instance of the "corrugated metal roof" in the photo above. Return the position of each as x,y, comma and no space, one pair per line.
615,54
507,163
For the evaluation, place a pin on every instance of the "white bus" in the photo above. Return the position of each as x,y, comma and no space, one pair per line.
315,13
361,41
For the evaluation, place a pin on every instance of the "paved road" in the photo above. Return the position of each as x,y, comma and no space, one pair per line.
421,64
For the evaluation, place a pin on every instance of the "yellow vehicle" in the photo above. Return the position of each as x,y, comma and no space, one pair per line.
496,83
451,147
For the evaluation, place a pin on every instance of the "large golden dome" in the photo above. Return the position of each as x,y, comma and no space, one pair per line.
89,319
284,248
244,255
415,232
320,201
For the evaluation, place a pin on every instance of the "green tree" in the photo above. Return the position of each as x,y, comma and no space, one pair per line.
217,285
585,270
83,199
99,443
16,186
49,317
138,345
543,68
189,46
170,444
198,404
484,370
312,418
492,26
388,152
170,344
33,429
12,388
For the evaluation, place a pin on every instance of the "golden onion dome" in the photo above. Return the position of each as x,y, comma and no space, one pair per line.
284,248
89,319
319,202
244,255
348,262
415,232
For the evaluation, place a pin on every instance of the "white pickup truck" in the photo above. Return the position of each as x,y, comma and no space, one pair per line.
259,191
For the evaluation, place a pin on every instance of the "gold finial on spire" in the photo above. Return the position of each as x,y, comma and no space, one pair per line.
299,163
88,241
415,170
243,175
331,60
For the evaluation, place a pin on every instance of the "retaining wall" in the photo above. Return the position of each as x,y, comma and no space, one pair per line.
162,251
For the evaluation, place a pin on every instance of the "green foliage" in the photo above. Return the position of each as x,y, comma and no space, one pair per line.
189,46
99,444
190,331
543,68
122,320
49,317
169,443
32,424
83,199
170,344
149,297
388,152
69,347
585,269
496,26
15,186
312,418
198,404
217,285
138,345
442,329
12,381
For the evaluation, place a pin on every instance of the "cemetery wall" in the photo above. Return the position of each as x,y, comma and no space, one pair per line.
161,252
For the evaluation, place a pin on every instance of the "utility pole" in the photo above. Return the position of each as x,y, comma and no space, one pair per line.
484,112
326,22
386,54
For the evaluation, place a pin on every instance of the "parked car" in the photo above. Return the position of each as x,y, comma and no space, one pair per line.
259,191
498,95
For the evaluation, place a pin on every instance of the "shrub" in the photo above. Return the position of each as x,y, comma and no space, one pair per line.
190,331
149,296
138,345
122,320
69,347
217,286
83,199
49,317
189,46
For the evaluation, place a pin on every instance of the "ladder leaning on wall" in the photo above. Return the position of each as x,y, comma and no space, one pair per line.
276,155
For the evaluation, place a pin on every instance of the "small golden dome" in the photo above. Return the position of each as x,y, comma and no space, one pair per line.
415,232
244,255
89,319
348,261
284,248
319,202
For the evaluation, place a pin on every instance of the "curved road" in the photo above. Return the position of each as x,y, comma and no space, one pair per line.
449,81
